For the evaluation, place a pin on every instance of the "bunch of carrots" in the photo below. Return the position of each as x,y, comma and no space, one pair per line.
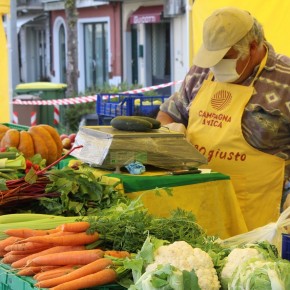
58,258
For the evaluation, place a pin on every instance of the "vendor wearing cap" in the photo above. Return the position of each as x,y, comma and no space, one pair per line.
234,105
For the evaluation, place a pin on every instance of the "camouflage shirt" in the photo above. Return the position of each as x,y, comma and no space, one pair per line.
266,119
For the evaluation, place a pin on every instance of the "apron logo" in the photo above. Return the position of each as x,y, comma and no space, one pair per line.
221,100
215,154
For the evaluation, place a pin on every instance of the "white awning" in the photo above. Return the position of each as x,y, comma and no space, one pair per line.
21,20
24,19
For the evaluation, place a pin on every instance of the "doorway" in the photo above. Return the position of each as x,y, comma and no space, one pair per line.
160,59
134,55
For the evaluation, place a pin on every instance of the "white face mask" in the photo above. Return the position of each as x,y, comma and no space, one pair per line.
225,70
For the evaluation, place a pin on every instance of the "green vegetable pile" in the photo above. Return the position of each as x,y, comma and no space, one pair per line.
80,193
67,192
125,226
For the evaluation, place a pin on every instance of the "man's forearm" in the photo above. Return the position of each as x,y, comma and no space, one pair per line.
164,118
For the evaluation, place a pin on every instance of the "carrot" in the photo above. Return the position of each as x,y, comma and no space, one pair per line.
10,258
100,278
88,269
57,272
117,254
60,233
82,257
2,253
27,232
32,270
8,241
66,240
24,246
48,272
32,251
57,249
76,227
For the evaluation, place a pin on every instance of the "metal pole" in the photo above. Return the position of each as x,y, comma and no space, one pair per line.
190,31
13,54
4,96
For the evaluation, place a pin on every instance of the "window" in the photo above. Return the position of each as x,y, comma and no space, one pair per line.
96,54
62,54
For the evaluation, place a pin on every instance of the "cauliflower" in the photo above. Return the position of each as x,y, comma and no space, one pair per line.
237,257
261,274
184,257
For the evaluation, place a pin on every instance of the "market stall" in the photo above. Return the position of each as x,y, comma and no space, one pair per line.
160,224
84,211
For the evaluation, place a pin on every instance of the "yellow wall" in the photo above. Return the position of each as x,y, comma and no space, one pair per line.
272,14
4,85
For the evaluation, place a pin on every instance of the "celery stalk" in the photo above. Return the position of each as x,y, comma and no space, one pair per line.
8,155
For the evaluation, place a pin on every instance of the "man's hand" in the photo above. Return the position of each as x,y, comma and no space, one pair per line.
285,206
169,123
177,127
287,202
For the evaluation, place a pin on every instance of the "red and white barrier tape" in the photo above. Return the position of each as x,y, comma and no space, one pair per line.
137,91
56,115
69,101
87,99
33,119
15,118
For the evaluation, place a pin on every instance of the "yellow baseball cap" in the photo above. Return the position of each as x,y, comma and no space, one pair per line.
221,30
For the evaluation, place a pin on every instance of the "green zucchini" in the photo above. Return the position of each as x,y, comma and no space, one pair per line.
155,123
130,123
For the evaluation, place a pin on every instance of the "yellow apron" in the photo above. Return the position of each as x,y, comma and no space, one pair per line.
214,127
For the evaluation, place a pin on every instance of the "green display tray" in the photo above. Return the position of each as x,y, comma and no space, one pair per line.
10,281
16,126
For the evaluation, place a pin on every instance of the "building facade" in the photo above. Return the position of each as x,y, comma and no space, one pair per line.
155,46
137,42
99,43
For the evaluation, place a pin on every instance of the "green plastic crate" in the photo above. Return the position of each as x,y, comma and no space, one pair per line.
10,281
46,91
16,126
63,163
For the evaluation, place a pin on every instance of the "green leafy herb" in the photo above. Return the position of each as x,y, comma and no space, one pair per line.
125,226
